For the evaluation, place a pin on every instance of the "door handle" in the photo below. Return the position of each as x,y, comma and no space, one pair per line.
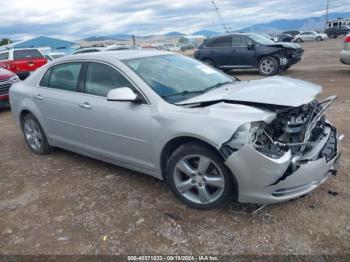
38,97
85,105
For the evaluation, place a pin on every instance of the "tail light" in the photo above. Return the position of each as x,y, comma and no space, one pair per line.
347,39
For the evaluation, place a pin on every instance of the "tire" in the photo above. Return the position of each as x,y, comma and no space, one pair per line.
34,135
268,66
299,40
319,38
201,188
209,62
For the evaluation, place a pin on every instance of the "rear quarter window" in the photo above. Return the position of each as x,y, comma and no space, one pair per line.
224,41
26,54
4,56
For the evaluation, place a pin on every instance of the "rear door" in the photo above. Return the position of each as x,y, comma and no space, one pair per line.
220,50
57,97
27,60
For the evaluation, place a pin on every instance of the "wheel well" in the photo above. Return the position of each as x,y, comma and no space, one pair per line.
174,144
22,115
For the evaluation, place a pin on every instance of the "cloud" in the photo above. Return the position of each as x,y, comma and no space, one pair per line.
81,18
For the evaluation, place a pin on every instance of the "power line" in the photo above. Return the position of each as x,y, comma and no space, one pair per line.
216,8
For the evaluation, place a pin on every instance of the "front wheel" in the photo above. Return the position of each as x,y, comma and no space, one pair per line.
319,38
298,40
268,66
198,177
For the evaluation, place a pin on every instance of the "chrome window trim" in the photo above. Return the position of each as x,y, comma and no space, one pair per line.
94,61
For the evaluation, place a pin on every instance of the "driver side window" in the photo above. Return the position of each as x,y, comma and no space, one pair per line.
101,78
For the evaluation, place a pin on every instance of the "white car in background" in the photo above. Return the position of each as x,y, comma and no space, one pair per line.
309,36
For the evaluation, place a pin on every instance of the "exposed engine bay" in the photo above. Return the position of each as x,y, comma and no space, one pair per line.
296,129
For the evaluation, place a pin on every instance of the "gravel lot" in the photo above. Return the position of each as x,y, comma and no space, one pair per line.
64,203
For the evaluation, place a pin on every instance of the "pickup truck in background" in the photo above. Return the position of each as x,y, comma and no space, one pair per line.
22,61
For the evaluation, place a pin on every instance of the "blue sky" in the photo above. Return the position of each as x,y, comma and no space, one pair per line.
74,19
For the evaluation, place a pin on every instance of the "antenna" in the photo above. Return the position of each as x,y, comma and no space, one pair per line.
216,8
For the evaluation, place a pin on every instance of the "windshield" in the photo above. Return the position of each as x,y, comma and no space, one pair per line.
261,39
175,77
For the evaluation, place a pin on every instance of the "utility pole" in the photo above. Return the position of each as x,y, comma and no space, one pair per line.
326,17
220,17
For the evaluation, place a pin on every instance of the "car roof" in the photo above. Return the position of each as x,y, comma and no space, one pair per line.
119,54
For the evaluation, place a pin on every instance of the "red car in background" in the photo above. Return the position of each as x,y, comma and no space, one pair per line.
7,78
22,61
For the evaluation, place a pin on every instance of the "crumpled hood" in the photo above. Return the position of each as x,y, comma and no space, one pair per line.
286,45
276,90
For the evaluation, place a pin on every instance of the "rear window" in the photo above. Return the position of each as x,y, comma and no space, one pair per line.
4,56
224,41
26,54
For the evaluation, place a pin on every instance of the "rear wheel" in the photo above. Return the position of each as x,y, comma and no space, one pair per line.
268,66
198,177
34,135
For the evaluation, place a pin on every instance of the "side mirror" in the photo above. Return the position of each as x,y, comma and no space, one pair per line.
122,94
250,46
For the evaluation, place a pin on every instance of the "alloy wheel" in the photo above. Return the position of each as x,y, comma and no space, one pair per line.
267,66
198,179
32,134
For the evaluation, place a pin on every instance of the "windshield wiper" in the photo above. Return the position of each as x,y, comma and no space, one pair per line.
217,85
183,93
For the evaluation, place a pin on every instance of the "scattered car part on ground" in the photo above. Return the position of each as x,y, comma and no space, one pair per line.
80,105
22,61
309,36
7,78
345,53
248,51
334,32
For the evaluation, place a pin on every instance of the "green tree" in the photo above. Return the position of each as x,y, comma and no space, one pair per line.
5,41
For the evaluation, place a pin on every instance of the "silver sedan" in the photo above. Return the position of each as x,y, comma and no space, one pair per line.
210,136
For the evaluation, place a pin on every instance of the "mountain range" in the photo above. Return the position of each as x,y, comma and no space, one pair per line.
275,26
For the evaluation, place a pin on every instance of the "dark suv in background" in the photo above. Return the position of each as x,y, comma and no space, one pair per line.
248,51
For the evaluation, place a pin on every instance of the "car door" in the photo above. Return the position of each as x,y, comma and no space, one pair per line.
118,131
56,97
221,51
244,52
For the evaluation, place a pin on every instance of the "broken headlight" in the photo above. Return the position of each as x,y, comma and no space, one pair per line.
245,134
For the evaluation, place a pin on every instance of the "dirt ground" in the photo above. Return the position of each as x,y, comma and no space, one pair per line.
64,203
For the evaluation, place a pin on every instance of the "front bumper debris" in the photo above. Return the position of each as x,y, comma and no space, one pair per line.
263,180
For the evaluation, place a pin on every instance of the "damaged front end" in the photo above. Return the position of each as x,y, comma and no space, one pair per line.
286,158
